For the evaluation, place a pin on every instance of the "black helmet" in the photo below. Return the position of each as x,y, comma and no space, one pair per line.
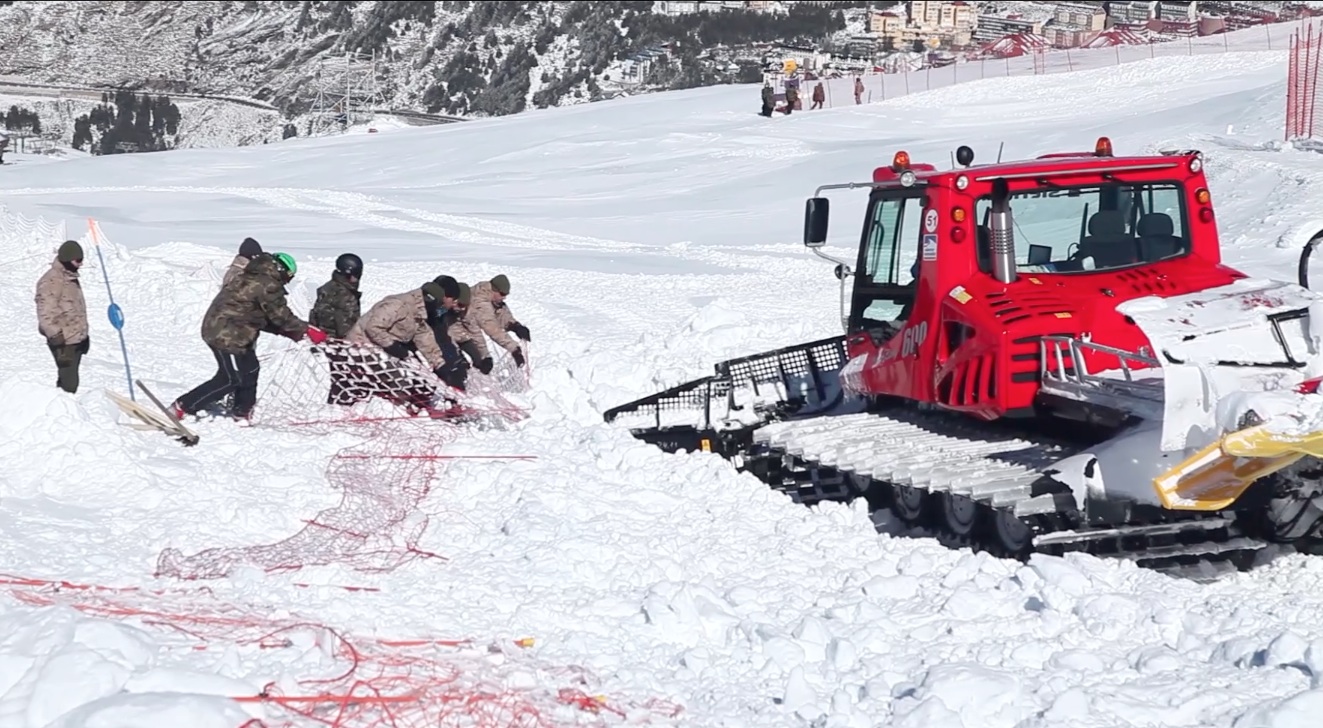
350,265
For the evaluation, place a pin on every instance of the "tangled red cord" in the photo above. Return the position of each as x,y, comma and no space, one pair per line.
370,682
405,416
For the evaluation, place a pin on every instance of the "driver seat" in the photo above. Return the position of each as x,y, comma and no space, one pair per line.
1107,242
1157,238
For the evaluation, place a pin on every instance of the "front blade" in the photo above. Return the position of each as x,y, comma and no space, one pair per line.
1217,475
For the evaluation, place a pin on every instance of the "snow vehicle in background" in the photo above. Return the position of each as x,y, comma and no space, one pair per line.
1042,355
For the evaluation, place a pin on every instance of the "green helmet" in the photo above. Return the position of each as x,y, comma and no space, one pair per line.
287,260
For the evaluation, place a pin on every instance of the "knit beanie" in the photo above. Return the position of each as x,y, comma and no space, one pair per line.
465,294
449,285
70,251
250,248
433,291
501,284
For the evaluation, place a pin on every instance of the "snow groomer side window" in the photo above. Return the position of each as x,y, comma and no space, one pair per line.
889,255
1078,229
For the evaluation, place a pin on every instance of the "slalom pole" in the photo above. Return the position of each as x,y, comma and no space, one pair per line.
114,312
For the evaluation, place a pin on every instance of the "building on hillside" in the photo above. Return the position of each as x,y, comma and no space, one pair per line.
1085,16
1074,24
993,27
942,22
636,69
676,7
1134,14
1184,11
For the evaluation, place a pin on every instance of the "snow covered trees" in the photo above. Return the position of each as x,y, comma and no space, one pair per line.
127,123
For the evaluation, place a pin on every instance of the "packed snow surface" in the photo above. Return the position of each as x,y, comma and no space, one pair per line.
646,239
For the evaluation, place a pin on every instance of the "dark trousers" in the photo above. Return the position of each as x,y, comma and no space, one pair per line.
235,373
67,358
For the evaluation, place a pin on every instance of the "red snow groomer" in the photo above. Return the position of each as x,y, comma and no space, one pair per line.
1043,355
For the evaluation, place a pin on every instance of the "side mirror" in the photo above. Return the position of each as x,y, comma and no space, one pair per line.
816,210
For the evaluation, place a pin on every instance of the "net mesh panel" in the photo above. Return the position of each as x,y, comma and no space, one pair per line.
405,416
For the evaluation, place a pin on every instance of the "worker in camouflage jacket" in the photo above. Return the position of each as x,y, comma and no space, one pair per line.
336,311
401,324
62,314
338,300
255,301
248,250
458,332
490,313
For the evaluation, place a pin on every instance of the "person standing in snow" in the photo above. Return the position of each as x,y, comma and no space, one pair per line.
252,303
858,90
401,324
336,310
819,96
4,144
769,99
62,314
792,95
338,304
490,313
248,250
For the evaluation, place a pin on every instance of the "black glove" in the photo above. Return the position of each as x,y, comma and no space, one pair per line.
85,346
518,355
519,330
470,347
399,350
454,375
485,365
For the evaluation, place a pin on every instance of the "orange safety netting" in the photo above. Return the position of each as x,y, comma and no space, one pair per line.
405,416
330,678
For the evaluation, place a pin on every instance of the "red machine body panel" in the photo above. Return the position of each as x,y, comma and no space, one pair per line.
971,342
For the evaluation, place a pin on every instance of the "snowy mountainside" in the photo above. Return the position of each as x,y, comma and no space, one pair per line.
646,238
479,58
202,123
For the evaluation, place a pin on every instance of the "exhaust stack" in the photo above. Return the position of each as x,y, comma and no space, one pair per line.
1002,231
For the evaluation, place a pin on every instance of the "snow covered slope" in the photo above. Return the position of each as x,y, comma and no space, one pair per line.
645,239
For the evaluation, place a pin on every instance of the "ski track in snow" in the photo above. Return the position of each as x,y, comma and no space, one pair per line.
666,577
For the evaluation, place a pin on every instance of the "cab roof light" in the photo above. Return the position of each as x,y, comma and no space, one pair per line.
1103,148
901,161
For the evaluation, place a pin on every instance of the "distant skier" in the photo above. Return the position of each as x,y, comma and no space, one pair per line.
400,324
858,90
769,99
4,145
254,302
248,250
337,309
62,314
490,312
819,96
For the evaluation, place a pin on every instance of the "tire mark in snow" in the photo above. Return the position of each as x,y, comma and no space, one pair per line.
474,231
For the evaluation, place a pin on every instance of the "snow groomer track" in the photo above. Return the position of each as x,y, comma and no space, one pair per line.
979,486
782,417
